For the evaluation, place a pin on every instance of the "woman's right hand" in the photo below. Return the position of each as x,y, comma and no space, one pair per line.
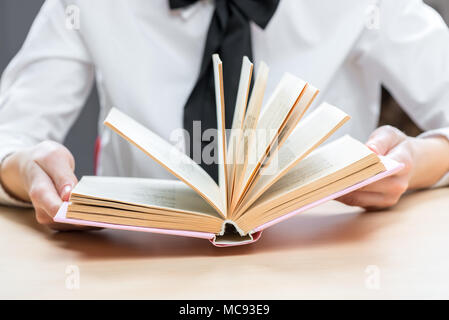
43,175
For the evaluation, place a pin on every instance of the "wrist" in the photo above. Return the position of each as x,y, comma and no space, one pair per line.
437,148
11,179
430,160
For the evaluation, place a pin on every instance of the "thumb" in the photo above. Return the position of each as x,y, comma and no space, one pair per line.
385,138
59,166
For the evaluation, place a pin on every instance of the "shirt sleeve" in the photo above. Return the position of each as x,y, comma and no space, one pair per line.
45,86
443,132
409,55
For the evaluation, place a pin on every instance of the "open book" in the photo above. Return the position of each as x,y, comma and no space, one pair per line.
270,168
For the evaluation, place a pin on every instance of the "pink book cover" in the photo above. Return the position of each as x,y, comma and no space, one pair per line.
391,166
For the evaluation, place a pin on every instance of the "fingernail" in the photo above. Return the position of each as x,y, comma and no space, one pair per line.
65,193
373,148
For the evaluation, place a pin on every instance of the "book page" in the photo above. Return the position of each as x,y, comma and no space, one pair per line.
221,133
306,99
272,119
239,117
311,173
256,99
304,103
250,122
311,132
338,183
175,161
171,195
120,218
333,186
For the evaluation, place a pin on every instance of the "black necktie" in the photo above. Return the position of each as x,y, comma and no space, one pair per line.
229,35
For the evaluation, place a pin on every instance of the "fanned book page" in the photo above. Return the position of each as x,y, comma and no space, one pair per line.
239,117
309,95
144,202
345,152
343,163
274,168
340,157
221,133
172,195
314,130
249,125
176,162
273,118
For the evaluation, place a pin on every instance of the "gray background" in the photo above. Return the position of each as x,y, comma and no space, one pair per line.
16,17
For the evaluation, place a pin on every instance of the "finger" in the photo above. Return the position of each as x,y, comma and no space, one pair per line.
45,213
385,138
369,200
46,201
44,218
403,155
393,185
59,166
70,227
42,192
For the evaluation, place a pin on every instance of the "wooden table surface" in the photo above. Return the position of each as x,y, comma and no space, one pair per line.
332,251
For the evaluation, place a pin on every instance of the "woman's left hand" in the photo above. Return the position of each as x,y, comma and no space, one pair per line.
386,141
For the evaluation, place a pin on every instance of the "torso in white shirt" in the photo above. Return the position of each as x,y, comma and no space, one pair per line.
157,59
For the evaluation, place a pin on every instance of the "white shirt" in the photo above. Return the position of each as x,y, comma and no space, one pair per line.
145,59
